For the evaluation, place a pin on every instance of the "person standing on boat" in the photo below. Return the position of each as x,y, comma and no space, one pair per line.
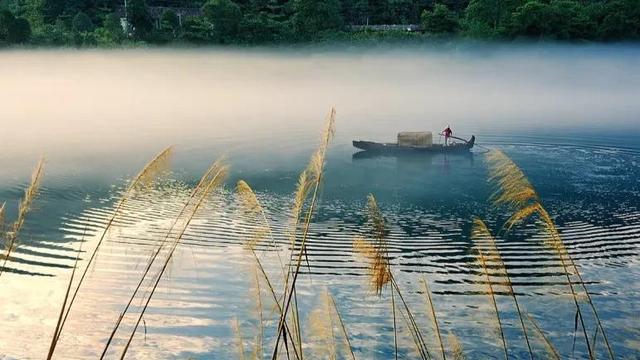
447,134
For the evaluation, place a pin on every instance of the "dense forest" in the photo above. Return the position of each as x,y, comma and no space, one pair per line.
133,22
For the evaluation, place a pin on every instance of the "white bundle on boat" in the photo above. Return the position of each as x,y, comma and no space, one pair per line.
415,138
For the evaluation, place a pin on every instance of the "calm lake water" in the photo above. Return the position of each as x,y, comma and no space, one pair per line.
568,116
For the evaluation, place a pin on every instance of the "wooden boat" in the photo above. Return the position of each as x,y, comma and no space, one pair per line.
372,146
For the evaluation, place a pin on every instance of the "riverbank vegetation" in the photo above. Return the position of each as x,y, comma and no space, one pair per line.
110,23
324,332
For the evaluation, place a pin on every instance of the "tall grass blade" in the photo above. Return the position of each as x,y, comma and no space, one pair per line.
240,342
456,347
342,327
514,189
480,234
251,207
2,215
431,311
376,251
395,326
151,170
551,349
310,178
204,180
54,338
259,312
214,182
322,326
482,260
30,193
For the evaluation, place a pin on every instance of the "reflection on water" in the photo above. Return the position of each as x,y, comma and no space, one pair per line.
100,116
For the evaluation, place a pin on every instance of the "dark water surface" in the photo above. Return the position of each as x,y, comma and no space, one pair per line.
568,116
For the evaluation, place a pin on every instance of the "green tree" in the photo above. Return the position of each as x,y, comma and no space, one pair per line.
488,18
355,12
111,23
313,17
19,31
572,20
110,33
169,21
52,9
82,23
533,19
13,30
6,20
440,20
196,30
139,19
621,20
225,16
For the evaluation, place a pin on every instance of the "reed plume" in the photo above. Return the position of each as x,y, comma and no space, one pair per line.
456,347
150,171
328,327
431,313
481,235
482,261
308,186
514,190
322,327
30,193
250,205
376,251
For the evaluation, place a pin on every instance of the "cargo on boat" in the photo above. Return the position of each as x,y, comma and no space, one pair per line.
416,142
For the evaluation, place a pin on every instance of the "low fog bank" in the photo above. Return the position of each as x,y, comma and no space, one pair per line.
61,101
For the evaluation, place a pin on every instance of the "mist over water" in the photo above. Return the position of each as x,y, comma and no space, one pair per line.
106,100
569,115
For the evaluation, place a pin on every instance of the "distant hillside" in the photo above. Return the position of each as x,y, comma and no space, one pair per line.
109,23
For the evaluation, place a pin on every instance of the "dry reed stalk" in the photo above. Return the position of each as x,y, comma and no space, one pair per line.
251,206
395,326
327,325
260,314
551,349
377,253
207,177
342,327
215,181
322,326
150,171
238,333
431,312
66,297
482,260
30,193
480,233
2,215
413,325
456,347
310,178
514,189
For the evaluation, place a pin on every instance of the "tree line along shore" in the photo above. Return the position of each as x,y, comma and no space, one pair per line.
110,23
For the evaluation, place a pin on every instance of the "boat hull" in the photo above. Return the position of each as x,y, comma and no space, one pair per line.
399,149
